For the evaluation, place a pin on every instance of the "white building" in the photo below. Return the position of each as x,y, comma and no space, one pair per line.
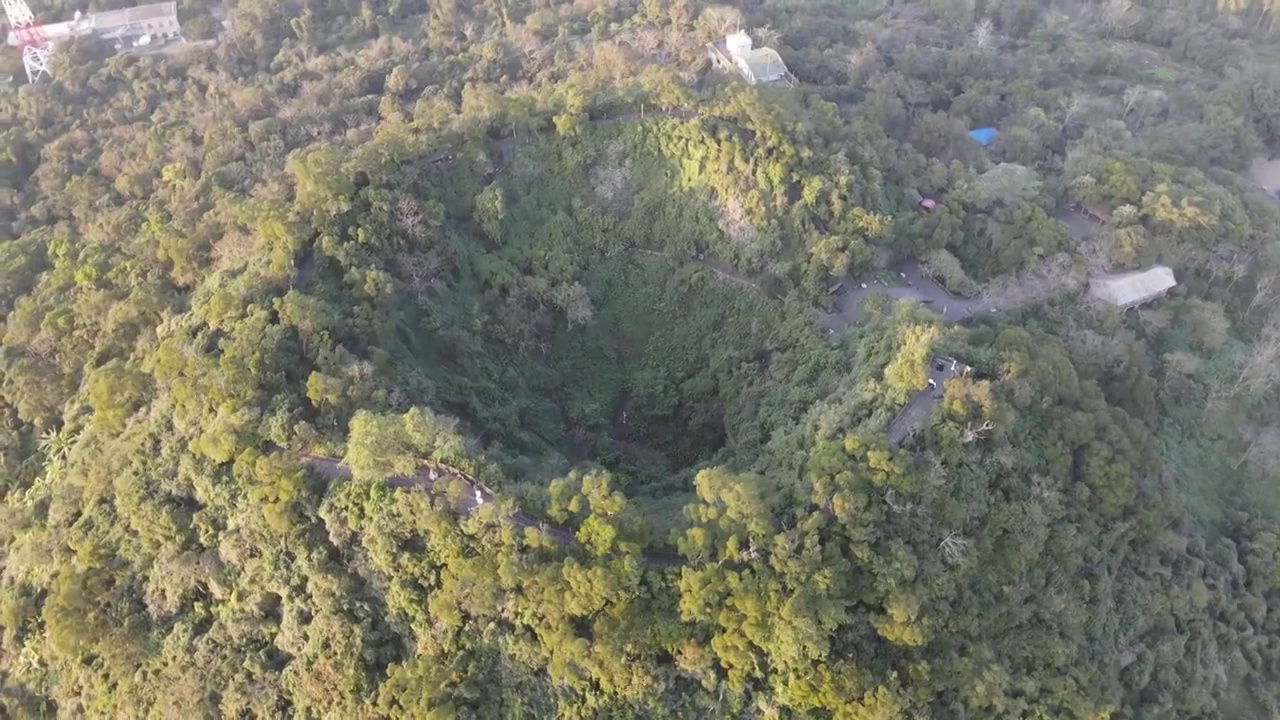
125,28
736,53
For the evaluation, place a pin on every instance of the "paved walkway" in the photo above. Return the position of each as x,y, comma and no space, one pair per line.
918,409
919,288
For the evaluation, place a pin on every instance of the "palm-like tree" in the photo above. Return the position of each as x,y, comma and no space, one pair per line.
55,445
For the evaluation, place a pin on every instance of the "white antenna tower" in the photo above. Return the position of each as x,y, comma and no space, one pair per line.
36,48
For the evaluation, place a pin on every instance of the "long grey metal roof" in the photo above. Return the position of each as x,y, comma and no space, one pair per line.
765,64
1132,288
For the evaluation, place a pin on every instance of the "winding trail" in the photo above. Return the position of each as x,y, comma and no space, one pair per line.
919,288
429,473
724,271
478,495
720,268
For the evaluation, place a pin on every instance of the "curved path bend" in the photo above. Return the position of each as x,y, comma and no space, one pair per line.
920,287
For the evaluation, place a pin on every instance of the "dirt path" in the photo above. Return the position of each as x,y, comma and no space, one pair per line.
720,268
725,272
475,496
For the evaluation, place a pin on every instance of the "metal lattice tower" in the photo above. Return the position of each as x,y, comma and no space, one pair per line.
36,48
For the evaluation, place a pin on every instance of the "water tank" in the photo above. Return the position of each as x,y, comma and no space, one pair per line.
738,43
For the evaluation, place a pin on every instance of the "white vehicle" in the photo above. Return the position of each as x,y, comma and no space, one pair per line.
479,498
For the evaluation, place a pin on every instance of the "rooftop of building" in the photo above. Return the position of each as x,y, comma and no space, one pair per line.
765,63
1097,211
109,21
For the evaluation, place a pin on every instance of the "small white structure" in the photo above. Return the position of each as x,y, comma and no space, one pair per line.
737,52
738,43
1128,290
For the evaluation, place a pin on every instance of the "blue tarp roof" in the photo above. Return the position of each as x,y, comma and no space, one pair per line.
984,135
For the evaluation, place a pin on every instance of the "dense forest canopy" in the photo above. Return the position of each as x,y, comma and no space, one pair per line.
444,359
